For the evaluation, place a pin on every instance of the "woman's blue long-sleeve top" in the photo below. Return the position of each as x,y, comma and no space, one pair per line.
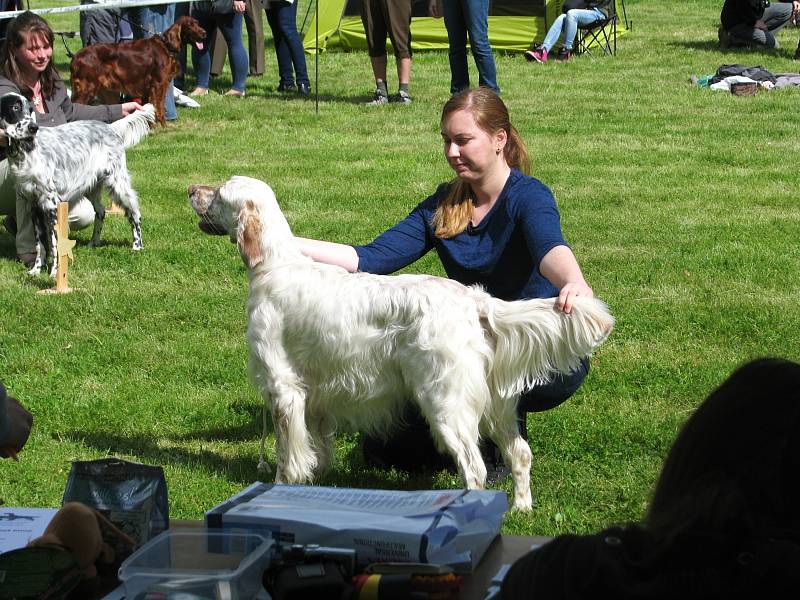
502,253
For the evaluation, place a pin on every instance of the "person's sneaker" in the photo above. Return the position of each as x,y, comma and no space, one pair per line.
378,99
538,55
10,224
563,55
402,97
286,88
184,100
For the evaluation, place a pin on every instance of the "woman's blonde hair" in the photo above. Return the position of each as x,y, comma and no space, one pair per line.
490,113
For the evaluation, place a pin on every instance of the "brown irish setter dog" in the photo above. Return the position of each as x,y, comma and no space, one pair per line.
140,69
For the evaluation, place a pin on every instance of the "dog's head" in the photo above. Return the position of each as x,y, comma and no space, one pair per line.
186,30
17,117
245,209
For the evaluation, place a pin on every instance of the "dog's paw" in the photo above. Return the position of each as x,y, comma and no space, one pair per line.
522,501
34,271
137,247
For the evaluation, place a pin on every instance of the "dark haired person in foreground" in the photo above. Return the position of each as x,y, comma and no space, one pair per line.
723,521
15,425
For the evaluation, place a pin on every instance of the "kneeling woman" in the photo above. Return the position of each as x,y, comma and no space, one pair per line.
492,225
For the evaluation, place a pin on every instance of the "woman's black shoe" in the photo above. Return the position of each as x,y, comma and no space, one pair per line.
286,88
304,89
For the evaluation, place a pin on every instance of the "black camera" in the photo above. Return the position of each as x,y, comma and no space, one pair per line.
306,572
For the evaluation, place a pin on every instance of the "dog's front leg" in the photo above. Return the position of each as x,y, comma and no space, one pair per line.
296,457
50,215
458,434
41,233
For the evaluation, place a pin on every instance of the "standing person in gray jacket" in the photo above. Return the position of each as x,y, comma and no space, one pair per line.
26,67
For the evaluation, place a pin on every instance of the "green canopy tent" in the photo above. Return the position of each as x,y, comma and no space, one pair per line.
513,24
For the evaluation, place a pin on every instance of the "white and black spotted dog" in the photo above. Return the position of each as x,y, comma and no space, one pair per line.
331,348
68,162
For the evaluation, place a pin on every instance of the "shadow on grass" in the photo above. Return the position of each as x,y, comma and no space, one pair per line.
237,469
348,470
737,54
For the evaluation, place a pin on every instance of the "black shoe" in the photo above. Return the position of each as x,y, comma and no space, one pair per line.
563,55
496,469
287,88
304,89
11,225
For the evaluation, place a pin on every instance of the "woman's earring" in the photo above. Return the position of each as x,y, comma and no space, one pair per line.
498,151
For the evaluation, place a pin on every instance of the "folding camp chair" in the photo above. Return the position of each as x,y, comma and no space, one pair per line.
598,34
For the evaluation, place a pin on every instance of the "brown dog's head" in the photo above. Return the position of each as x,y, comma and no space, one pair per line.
185,30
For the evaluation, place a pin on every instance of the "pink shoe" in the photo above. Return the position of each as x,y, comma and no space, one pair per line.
539,55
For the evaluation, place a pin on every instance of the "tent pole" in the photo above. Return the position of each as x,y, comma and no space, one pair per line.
316,57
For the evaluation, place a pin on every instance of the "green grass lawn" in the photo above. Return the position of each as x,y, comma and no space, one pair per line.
680,203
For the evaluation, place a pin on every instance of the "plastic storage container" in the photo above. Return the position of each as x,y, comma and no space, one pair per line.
209,564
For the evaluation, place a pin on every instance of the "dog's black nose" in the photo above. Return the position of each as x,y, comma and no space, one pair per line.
33,128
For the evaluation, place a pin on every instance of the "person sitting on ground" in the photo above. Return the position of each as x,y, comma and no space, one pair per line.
26,67
575,13
492,225
15,425
754,23
723,521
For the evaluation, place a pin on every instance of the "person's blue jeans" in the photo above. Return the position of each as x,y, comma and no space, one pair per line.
463,18
146,22
231,27
282,19
568,23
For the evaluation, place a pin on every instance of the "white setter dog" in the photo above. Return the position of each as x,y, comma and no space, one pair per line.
68,162
329,347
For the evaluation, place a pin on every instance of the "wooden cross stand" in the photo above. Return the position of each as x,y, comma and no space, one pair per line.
64,247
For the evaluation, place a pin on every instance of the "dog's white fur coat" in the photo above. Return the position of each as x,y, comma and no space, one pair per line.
328,347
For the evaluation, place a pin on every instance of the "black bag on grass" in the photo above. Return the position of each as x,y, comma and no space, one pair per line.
131,495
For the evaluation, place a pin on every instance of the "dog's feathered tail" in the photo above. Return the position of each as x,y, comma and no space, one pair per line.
135,126
533,338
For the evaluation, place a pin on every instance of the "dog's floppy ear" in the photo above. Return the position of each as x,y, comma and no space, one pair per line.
172,38
248,235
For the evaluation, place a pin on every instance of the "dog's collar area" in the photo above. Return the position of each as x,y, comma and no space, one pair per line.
210,228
